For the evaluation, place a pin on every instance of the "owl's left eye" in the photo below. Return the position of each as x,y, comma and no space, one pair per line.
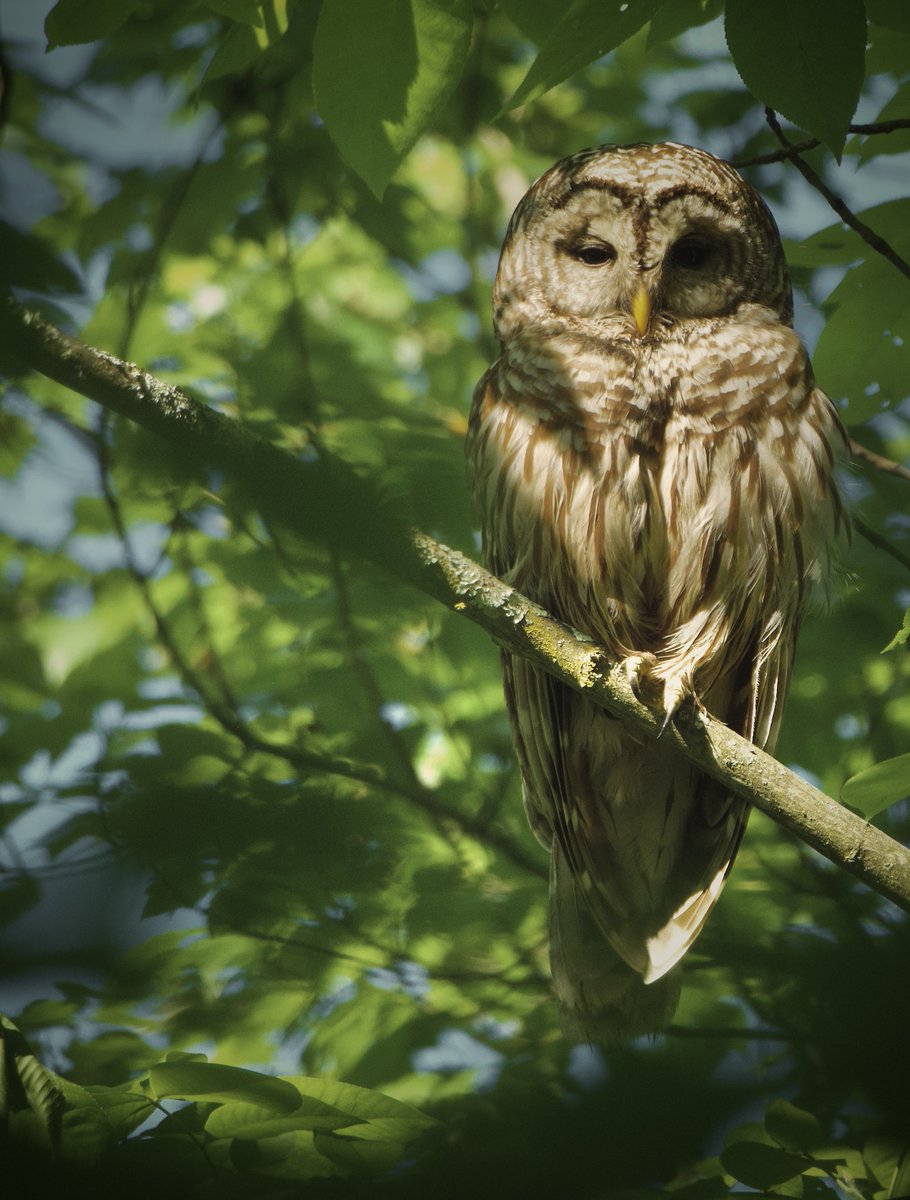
691,252
596,254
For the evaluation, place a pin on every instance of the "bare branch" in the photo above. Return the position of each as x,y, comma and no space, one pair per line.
846,214
879,461
880,542
775,156
461,585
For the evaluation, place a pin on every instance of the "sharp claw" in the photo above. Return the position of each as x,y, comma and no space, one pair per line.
664,696
675,692
637,668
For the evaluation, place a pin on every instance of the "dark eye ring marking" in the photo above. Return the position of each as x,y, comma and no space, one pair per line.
595,254
691,252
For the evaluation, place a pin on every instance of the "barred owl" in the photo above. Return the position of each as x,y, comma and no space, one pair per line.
652,463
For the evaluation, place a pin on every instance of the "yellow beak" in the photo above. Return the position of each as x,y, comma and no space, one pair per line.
641,309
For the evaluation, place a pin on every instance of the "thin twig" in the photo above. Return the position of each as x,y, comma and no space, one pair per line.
888,465
775,156
869,236
525,976
880,542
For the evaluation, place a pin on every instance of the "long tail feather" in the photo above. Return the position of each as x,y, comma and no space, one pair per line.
601,998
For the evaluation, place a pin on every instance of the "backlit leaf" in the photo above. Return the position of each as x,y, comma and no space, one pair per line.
381,71
878,787
803,58
587,30
792,1127
219,1083
71,22
761,1166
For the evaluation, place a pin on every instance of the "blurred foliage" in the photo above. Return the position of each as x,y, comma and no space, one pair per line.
259,810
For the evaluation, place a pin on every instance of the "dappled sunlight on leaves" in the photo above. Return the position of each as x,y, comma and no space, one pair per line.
270,911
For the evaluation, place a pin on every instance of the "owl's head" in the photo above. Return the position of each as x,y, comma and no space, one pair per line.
642,237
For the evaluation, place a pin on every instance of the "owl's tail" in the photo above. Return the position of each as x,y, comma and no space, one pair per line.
601,998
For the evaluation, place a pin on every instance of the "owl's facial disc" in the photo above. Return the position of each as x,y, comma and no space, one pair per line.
607,249
601,227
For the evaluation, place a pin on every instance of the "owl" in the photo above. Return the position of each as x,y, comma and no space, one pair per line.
651,462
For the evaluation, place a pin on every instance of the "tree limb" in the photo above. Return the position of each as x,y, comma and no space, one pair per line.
310,497
874,538
879,461
846,214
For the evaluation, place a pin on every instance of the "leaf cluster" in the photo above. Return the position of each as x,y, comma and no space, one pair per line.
258,800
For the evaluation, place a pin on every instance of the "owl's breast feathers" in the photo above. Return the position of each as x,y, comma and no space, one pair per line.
673,494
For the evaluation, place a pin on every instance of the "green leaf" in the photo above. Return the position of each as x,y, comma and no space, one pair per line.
242,1120
893,14
534,20
382,71
28,262
863,354
792,1127
86,1132
588,30
878,787
215,1082
27,1085
902,635
712,1188
803,58
124,1108
248,12
888,1158
396,1120
761,1166
359,1155
237,50
72,22
18,893
286,1156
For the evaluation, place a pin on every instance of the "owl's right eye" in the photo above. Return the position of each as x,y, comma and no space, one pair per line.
596,254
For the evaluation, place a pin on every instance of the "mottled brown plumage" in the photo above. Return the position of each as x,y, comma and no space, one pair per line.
651,462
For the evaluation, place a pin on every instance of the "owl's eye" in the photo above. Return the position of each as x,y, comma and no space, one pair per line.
596,254
690,252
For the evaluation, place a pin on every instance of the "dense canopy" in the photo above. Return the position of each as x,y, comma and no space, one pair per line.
271,919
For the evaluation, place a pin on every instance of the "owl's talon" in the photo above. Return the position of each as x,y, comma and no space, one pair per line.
676,691
638,669
647,686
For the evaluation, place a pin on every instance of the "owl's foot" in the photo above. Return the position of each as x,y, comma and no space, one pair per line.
640,671
677,688
662,694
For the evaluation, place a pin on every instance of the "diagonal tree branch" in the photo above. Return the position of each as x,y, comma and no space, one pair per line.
310,498
879,461
846,214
